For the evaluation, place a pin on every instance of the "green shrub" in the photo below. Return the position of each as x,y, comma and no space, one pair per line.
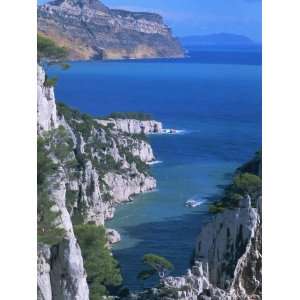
67,112
130,115
45,166
246,184
71,197
243,184
103,273
47,232
247,181
47,49
155,265
141,166
50,82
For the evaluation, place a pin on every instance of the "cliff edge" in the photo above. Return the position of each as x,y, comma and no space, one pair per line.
85,170
90,30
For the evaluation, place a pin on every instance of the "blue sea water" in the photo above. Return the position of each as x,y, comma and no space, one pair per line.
216,99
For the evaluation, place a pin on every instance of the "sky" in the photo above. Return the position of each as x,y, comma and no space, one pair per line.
198,17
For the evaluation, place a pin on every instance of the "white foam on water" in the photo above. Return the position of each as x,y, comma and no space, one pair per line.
196,199
155,162
168,131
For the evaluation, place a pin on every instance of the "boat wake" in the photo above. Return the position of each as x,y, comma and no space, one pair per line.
168,131
173,131
155,162
194,202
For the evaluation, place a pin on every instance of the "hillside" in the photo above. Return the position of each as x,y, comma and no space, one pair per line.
90,30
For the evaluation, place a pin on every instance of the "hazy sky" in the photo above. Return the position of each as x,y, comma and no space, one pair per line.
189,17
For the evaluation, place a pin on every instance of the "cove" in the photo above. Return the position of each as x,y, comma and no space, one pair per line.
215,100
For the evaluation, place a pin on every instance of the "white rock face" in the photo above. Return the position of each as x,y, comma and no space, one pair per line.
68,277
192,284
122,187
46,107
247,279
144,151
44,290
61,273
223,241
232,237
113,236
134,126
91,195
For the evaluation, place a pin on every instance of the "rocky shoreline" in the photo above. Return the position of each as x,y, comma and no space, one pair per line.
91,30
100,164
97,168
227,262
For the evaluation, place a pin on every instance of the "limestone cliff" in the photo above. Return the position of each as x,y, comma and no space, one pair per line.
90,30
46,106
96,168
228,254
223,241
133,126
227,263
228,259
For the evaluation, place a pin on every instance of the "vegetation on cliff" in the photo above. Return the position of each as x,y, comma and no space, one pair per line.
247,181
49,53
85,125
155,265
47,232
103,273
130,115
74,154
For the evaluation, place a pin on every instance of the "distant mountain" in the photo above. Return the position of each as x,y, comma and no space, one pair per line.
217,39
91,30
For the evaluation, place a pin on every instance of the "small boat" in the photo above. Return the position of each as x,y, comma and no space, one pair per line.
192,203
170,131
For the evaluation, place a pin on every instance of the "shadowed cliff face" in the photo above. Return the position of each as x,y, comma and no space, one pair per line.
90,30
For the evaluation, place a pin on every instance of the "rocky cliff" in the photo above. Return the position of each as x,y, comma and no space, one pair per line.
93,168
227,262
228,254
46,106
134,126
90,30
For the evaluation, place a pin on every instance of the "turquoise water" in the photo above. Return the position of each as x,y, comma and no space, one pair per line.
216,100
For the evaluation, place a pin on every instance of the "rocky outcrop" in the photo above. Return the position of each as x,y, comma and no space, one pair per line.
113,236
44,290
134,126
91,30
122,187
96,168
227,260
223,241
247,280
46,107
68,277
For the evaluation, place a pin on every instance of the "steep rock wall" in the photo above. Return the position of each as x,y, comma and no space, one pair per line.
96,169
46,107
243,282
92,30
134,126
223,241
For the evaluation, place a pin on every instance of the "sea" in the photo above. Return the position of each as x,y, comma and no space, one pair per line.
213,97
